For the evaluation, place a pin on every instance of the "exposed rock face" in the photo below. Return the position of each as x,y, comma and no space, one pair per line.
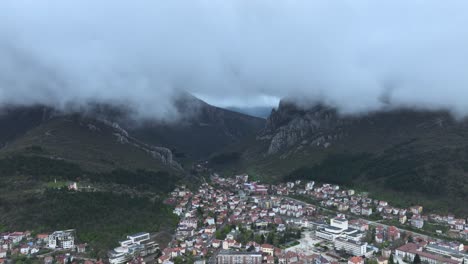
163,154
290,126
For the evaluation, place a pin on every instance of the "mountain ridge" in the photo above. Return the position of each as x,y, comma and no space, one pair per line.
414,153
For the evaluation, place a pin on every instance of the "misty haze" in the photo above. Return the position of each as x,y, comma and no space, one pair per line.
233,132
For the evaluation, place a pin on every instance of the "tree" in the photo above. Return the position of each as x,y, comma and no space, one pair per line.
390,260
298,234
417,259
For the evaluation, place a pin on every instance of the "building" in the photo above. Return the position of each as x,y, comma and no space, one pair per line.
138,238
393,233
417,209
234,257
338,228
417,222
124,254
456,252
339,222
267,249
62,239
350,246
410,250
135,245
356,260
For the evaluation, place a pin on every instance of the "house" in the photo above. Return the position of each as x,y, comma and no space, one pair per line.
366,211
216,243
417,209
34,250
3,253
393,233
16,237
24,249
81,248
267,249
417,222
356,260
43,238
402,219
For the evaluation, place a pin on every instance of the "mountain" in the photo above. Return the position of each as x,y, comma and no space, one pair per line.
261,111
201,130
124,167
94,143
405,155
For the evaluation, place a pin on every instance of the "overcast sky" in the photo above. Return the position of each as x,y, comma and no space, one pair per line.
355,55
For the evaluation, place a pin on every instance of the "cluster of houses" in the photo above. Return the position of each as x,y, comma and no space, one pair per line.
232,202
250,205
347,200
24,243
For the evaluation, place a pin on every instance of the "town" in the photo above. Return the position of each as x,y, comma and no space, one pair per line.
234,220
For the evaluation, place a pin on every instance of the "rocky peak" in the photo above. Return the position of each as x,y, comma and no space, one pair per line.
290,125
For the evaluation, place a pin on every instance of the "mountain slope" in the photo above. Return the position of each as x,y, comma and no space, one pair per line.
420,155
92,143
201,130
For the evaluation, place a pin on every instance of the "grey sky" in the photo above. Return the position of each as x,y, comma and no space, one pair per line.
356,55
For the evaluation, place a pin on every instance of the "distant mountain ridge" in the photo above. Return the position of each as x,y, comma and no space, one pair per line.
201,130
410,152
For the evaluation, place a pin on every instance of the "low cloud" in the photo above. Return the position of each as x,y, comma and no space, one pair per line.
356,55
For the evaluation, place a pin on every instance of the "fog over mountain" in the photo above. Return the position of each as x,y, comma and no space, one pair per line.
356,55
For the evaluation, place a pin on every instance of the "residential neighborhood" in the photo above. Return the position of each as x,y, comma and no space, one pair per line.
234,220
55,247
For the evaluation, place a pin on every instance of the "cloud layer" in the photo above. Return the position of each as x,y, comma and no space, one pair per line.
356,55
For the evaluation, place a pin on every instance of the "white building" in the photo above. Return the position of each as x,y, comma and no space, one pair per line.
129,248
350,246
339,222
62,239
338,228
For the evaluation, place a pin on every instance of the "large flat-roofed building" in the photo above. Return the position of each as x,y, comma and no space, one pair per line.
350,246
338,228
237,257
139,237
410,250
447,251
135,245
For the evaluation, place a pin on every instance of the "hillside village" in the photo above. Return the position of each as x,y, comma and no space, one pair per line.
233,220
56,247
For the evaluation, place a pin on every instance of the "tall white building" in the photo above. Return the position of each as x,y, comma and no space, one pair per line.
62,239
